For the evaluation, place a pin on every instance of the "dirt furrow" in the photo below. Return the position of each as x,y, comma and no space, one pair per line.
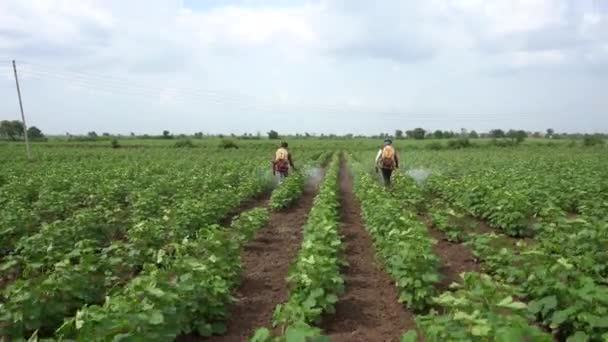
265,265
369,309
455,257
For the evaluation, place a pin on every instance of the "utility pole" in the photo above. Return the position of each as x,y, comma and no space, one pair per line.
27,142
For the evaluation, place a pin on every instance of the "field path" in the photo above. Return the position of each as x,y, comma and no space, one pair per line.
369,309
266,261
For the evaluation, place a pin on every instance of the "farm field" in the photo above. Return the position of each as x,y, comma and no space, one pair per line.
149,242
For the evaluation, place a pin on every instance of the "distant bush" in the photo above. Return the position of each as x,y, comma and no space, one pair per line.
504,143
435,146
114,143
593,140
184,143
459,143
226,143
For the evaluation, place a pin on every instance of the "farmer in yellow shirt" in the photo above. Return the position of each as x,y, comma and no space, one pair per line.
387,160
282,161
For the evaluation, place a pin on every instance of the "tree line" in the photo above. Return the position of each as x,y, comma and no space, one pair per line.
13,131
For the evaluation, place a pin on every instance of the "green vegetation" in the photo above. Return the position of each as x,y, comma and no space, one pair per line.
102,243
314,278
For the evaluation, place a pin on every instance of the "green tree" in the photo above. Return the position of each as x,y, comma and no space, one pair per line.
438,134
11,130
273,134
92,135
416,133
167,135
35,133
398,134
448,134
517,136
497,133
550,133
473,135
593,140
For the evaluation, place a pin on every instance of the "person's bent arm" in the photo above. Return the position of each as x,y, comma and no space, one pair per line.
377,162
378,156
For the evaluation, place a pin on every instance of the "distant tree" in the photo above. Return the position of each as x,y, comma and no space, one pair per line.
398,134
448,134
132,134
473,135
306,134
198,135
537,134
35,133
11,130
92,135
417,133
167,135
517,136
464,133
273,134
550,133
497,133
593,140
438,134
349,136
105,134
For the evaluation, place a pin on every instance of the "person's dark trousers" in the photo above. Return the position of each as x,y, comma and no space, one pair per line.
386,175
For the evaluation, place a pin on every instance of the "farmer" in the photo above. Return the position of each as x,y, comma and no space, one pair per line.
387,161
282,161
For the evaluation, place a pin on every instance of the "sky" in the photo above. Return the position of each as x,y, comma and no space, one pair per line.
324,66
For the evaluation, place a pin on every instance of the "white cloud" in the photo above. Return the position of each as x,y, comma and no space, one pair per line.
348,54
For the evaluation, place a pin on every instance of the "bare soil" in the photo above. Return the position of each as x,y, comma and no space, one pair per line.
455,257
369,309
266,261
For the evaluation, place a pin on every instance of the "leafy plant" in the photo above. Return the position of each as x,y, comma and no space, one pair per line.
479,309
288,191
315,279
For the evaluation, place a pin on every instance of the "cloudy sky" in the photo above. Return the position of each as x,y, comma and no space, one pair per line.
333,66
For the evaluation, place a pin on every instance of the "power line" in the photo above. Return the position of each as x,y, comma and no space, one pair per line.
184,95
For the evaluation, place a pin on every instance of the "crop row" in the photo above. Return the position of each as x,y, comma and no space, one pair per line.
188,289
401,240
566,289
97,249
513,193
314,278
65,266
562,276
477,308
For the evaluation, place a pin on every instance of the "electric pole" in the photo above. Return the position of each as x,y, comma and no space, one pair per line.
27,142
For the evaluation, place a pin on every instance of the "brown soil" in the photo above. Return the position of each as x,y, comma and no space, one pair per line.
455,258
369,309
265,266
